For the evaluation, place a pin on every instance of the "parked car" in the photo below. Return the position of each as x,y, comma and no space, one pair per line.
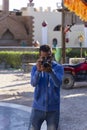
74,73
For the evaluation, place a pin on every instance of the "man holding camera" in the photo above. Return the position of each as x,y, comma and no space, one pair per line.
46,77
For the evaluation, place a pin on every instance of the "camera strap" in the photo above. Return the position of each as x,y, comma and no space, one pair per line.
42,74
48,81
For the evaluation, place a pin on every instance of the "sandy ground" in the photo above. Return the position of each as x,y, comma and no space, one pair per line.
15,88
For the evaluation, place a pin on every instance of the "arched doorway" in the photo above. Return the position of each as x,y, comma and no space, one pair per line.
54,43
8,35
8,39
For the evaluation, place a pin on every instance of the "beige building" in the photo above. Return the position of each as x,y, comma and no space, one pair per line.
15,29
54,20
28,25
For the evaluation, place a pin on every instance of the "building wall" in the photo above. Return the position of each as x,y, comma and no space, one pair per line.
49,17
34,25
76,31
53,19
15,30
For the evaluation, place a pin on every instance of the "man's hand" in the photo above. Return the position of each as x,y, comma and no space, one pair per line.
48,69
40,66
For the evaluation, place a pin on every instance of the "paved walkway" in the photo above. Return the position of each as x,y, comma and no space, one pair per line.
15,117
16,96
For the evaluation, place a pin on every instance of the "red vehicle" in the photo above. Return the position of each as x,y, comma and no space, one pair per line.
74,73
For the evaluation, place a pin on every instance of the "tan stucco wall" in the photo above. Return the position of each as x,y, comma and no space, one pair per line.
76,30
53,19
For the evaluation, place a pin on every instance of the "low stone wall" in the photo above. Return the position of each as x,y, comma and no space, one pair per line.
26,67
76,60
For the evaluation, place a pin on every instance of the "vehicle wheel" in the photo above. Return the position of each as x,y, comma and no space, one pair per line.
68,81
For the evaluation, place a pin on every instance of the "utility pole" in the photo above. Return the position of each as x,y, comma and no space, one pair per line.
62,10
74,20
63,34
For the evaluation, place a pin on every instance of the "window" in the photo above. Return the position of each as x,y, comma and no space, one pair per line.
57,28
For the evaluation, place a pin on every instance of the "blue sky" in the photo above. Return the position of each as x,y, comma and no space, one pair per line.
17,4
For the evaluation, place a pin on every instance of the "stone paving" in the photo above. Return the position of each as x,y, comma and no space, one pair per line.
15,117
16,96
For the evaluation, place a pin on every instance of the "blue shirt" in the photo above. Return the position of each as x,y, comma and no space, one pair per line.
47,87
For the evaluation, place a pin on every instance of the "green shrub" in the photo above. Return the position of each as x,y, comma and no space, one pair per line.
85,53
15,58
75,52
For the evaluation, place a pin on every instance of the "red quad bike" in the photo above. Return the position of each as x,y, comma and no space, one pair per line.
74,73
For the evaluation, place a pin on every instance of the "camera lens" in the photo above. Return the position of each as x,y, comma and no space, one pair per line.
46,64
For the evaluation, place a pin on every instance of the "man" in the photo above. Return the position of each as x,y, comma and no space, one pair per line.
46,77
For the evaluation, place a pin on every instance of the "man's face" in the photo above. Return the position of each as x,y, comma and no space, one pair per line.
45,61
45,54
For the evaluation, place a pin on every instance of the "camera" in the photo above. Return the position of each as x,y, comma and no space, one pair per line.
46,62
